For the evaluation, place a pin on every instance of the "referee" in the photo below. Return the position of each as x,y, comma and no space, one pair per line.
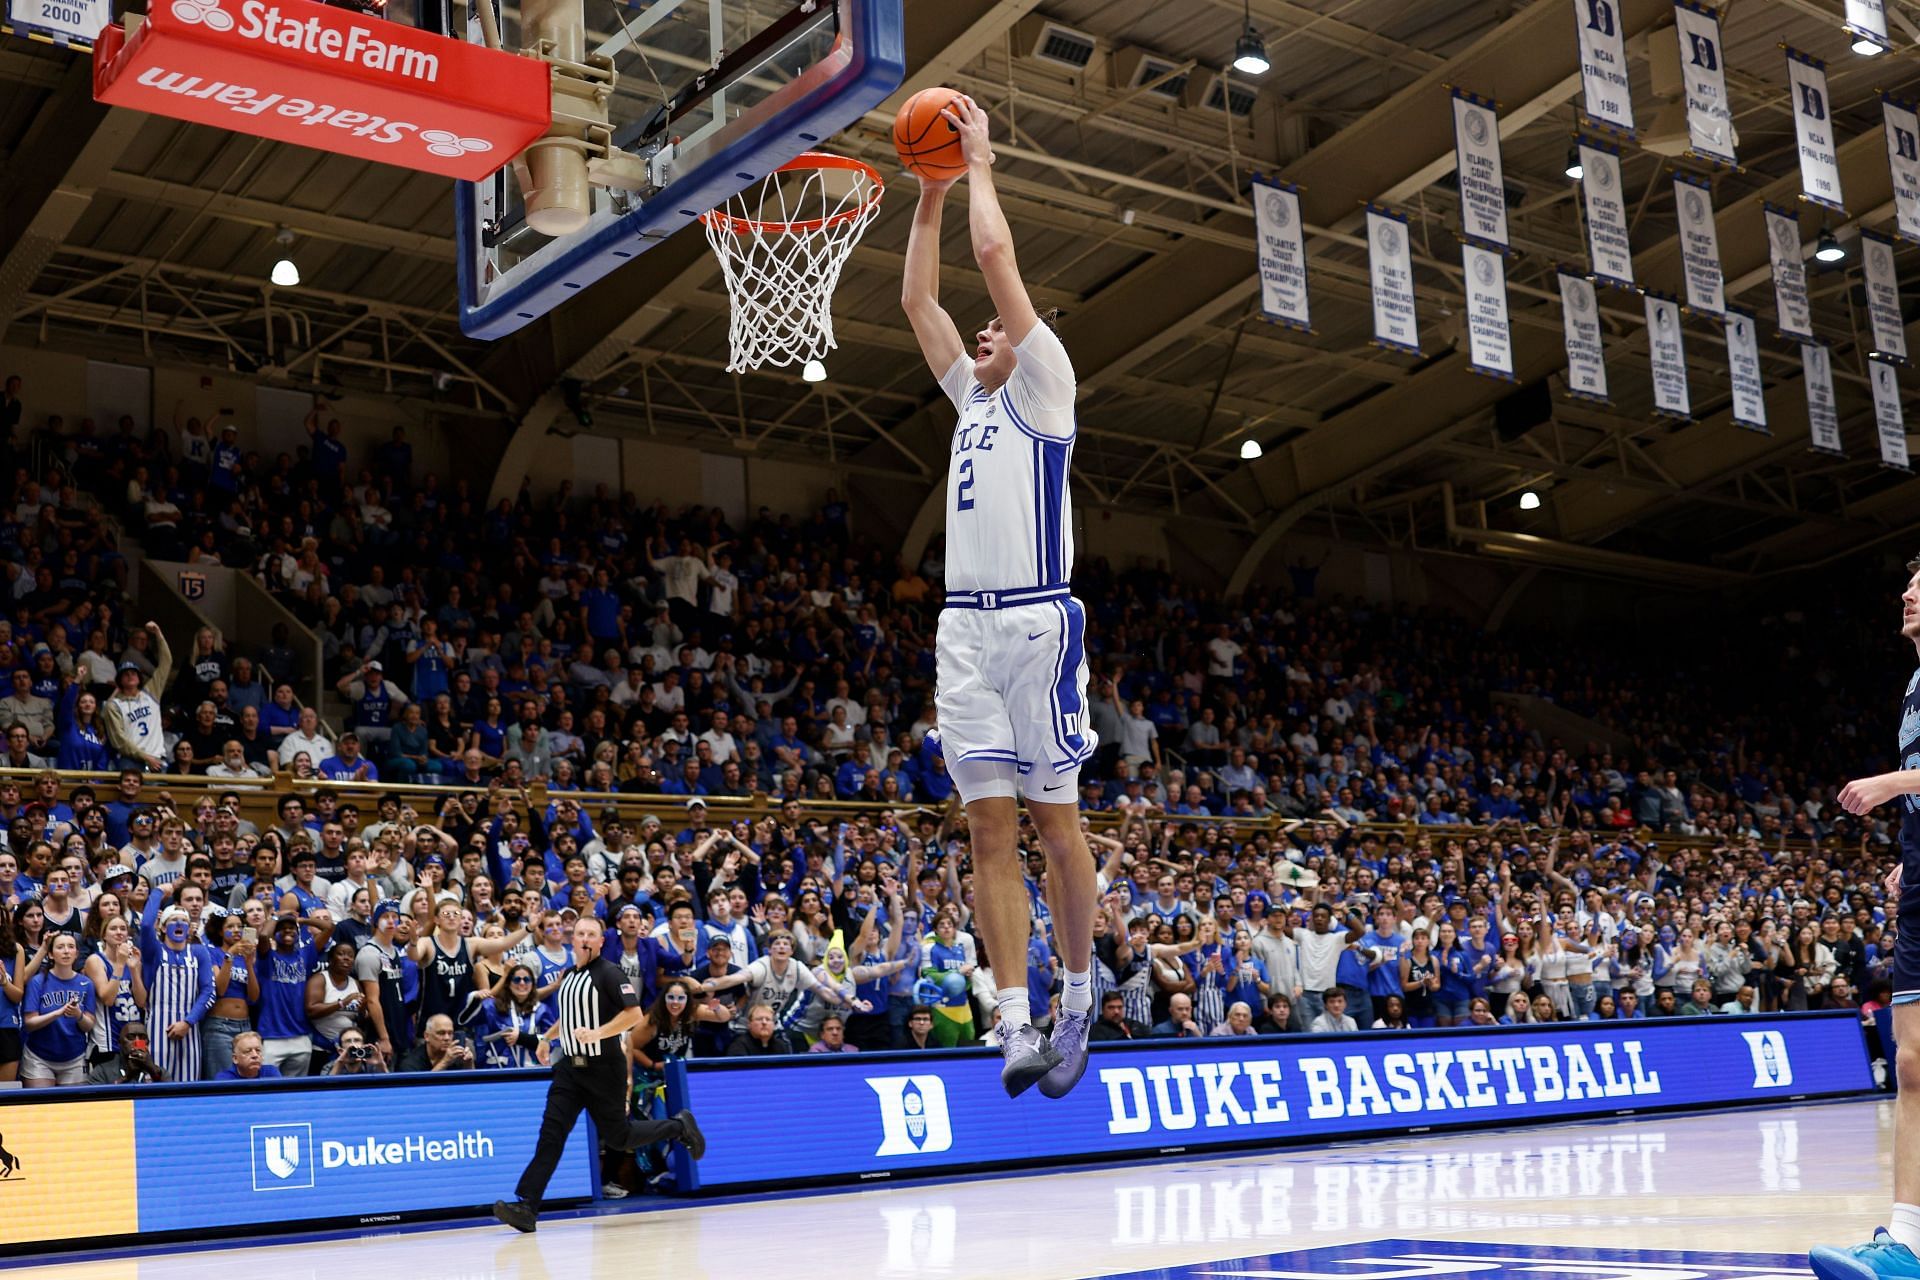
597,1003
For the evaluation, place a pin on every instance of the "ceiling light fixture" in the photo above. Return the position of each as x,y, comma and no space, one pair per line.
813,371
1829,249
1529,501
1250,51
1867,48
1575,169
1250,449
285,273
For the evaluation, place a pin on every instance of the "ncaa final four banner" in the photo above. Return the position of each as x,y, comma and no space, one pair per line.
1483,188
1903,159
1586,356
1867,19
1668,353
1889,420
1743,364
1282,253
1790,302
902,1115
1489,342
1603,65
1883,297
1390,265
1823,416
1609,254
1813,130
1699,244
1709,119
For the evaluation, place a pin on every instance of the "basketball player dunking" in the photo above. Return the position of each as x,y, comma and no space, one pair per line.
1895,1250
1011,662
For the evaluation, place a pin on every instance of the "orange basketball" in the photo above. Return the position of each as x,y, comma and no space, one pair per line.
928,143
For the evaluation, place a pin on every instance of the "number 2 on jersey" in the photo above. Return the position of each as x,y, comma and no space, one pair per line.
965,502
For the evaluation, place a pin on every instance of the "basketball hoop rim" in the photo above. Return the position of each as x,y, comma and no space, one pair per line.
719,219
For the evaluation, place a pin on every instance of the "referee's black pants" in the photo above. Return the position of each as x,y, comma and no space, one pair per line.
600,1089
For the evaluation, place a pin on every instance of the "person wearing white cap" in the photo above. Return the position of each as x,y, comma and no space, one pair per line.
179,978
376,704
132,714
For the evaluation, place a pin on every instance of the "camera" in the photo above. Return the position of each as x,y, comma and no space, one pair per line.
359,1053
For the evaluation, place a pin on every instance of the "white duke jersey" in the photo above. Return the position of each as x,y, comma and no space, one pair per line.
1009,515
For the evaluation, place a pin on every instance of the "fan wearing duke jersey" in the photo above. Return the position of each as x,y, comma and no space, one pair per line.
1012,673
1894,1252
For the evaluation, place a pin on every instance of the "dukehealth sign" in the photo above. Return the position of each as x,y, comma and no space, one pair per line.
319,76
883,1115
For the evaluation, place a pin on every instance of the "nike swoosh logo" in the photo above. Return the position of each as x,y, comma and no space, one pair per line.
1055,787
1036,635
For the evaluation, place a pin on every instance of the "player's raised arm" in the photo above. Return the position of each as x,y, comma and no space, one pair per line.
992,238
920,287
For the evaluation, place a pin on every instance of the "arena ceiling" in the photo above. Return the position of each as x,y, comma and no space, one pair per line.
126,233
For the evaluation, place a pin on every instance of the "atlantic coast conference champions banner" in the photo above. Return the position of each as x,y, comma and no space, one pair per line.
1889,419
1666,349
1282,252
1476,149
1823,416
1883,297
1390,267
1586,356
1789,272
1489,341
1699,245
1603,64
1609,253
898,1115
1743,364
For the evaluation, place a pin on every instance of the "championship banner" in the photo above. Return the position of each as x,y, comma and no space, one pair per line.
1743,362
1669,356
1490,345
1603,65
1390,262
1813,127
1699,244
70,21
1476,149
1790,302
1867,19
1823,417
1709,120
1608,252
1888,421
1903,159
1281,252
1586,357
1883,297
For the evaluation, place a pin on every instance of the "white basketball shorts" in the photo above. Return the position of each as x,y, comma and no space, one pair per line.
1013,693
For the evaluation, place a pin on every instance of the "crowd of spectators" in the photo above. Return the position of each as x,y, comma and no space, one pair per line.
596,648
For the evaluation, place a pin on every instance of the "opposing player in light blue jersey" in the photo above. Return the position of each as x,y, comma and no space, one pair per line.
1012,668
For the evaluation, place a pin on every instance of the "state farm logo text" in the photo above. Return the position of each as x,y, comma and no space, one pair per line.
353,43
361,124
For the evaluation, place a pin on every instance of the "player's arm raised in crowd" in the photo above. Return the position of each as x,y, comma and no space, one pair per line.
992,238
920,283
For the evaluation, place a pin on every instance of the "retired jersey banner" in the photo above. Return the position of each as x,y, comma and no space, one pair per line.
1790,302
1883,297
1586,357
1743,363
65,21
1699,244
1903,159
1282,253
1868,20
1483,189
1390,263
1823,417
1813,128
1608,252
1709,120
1888,420
1490,344
1669,356
1603,64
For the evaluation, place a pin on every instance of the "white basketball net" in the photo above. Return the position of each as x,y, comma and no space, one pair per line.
782,245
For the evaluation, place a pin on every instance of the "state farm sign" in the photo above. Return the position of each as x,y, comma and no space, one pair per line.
322,77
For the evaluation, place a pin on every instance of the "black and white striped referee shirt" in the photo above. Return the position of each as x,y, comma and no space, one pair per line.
593,996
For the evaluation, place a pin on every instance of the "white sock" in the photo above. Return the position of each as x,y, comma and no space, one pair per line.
1077,995
1014,1013
1905,1226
